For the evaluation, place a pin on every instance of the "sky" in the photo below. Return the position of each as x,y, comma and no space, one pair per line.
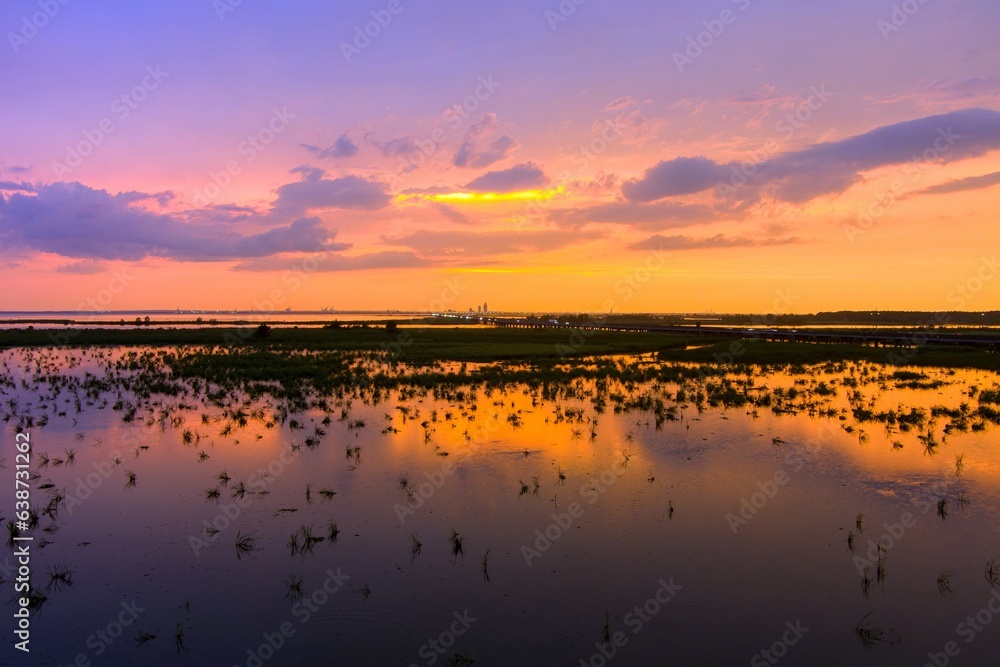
583,155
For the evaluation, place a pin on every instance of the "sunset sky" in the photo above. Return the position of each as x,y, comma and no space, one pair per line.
726,156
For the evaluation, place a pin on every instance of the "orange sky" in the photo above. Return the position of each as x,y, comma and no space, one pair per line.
588,164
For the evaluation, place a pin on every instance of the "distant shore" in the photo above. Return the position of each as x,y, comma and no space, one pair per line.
423,345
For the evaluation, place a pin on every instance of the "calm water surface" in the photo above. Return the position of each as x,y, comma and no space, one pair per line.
695,531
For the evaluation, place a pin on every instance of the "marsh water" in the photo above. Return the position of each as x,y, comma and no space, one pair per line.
626,512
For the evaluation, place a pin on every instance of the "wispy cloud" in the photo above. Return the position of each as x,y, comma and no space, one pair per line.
343,147
659,215
658,242
473,154
519,177
73,220
963,184
316,193
832,167
333,262
477,244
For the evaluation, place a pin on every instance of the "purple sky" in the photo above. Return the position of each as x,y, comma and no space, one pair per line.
537,155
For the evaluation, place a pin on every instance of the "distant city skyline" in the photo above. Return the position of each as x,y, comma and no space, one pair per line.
734,156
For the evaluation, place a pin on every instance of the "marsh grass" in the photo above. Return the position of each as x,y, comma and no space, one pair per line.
293,588
456,543
179,638
354,454
130,481
59,577
143,637
304,540
944,584
993,572
36,599
245,544
870,635
607,628
415,546
626,458
942,508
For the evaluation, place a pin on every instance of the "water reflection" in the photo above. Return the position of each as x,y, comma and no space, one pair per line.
614,511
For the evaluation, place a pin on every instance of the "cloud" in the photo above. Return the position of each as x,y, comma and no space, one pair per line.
314,194
680,176
525,176
83,267
660,215
229,213
469,154
658,242
831,167
478,244
620,103
401,146
973,90
626,124
161,198
330,262
11,186
73,220
13,168
963,184
308,173
343,147
452,213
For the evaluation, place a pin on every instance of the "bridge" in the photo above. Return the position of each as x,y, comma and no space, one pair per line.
917,337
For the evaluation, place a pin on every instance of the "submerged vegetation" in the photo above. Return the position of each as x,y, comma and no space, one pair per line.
453,392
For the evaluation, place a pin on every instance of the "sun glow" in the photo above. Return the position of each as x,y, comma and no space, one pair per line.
484,197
